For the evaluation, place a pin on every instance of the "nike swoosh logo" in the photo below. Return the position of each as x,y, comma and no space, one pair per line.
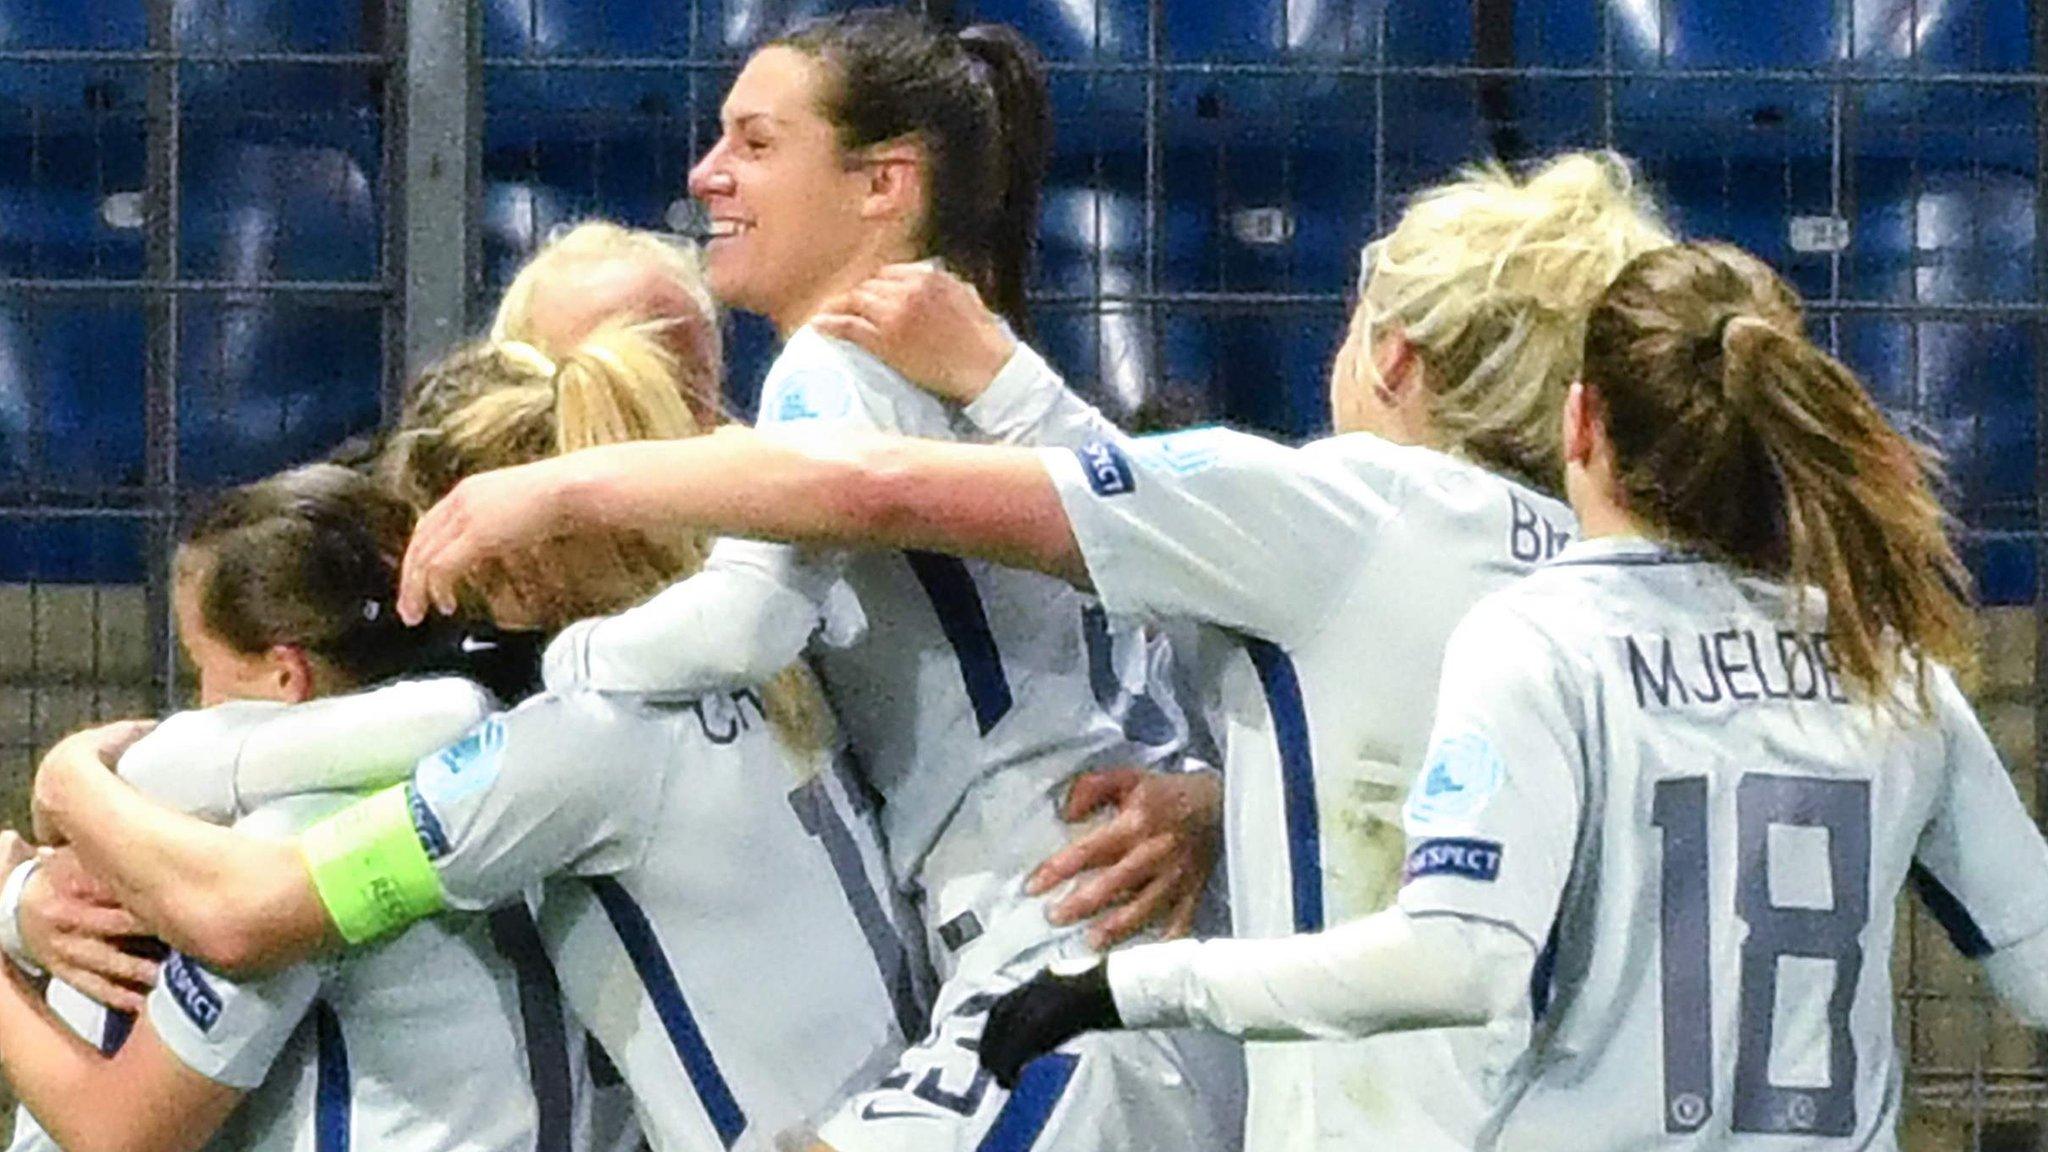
471,646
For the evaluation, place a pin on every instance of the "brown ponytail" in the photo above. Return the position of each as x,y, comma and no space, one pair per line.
1023,142
1734,434
307,557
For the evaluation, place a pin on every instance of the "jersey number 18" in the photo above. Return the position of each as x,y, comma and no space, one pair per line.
1840,809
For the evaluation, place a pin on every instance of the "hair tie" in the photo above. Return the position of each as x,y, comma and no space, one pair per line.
371,610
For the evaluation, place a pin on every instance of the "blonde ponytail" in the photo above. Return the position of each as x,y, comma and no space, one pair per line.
1735,435
506,403
1490,278
662,289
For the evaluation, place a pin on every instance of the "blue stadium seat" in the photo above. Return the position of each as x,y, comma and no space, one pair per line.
1726,34
263,385
1966,35
1062,30
1556,32
1272,370
71,393
572,28
68,24
276,26
281,211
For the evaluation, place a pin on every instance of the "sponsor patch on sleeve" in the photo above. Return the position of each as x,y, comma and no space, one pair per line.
462,769
193,993
1461,774
1472,859
1109,473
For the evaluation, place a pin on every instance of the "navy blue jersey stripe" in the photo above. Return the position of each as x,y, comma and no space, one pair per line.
331,1096
1297,780
1962,928
114,1030
965,622
1025,1113
540,1015
644,948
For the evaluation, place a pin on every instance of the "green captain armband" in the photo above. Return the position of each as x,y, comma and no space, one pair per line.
371,871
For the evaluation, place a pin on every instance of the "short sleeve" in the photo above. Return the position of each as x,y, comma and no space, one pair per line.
563,783
1217,525
228,1031
1981,864
1492,820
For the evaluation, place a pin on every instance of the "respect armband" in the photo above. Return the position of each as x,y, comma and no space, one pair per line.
370,869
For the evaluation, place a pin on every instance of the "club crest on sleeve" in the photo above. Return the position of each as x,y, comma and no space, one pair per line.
192,992
809,396
462,769
1108,472
1472,859
1461,774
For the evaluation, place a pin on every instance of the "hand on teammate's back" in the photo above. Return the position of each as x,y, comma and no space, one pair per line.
1144,867
927,324
77,931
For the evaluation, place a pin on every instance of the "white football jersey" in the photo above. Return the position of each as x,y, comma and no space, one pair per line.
964,672
1339,569
714,903
1652,769
968,668
400,1045
230,761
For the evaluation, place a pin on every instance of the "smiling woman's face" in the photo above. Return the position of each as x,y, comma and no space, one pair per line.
784,202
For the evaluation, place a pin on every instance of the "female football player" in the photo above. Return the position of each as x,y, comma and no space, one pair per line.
283,594
1679,777
1339,569
972,697
710,895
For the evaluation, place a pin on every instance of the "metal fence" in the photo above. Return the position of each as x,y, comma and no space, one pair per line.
228,226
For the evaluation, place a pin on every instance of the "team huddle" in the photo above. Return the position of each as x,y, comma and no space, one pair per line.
576,770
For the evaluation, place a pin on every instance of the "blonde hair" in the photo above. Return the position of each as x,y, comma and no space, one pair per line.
693,335
1735,435
498,404
1490,277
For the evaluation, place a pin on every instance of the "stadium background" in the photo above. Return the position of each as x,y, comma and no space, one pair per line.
227,228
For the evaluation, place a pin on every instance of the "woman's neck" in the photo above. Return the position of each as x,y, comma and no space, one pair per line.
867,260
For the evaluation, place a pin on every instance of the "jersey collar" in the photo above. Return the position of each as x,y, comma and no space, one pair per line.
1622,550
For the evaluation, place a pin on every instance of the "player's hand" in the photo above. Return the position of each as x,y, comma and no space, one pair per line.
75,930
1146,866
87,750
1045,1012
926,323
488,526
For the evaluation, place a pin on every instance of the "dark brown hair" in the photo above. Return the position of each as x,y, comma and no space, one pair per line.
307,557
977,103
1735,435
